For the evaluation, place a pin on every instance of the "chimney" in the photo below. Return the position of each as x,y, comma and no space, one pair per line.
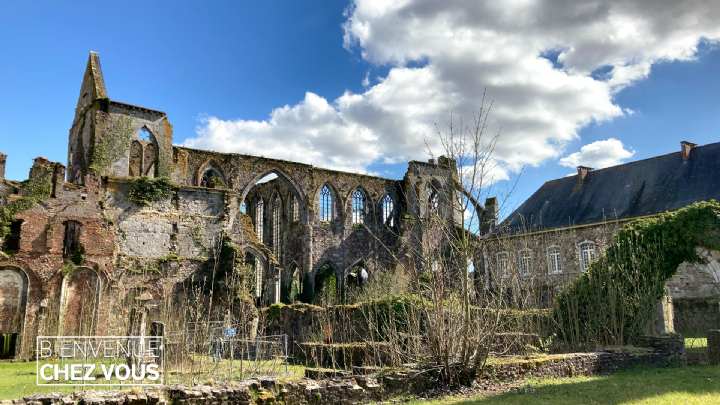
3,159
583,172
685,149
490,215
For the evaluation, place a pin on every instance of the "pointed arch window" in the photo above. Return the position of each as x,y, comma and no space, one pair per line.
212,178
388,210
145,135
259,214
326,204
276,226
294,209
358,207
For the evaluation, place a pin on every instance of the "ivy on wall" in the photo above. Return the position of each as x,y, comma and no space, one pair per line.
145,190
36,189
113,145
614,301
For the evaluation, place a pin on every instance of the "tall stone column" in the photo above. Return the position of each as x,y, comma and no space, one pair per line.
664,319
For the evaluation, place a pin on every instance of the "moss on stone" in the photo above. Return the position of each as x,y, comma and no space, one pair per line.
113,145
34,190
145,191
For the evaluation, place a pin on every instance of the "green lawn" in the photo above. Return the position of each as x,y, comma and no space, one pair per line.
656,386
17,379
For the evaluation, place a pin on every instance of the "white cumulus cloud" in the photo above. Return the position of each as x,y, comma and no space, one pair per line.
598,154
550,67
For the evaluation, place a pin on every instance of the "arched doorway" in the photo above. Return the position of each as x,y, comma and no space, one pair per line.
295,288
326,286
80,299
356,279
13,300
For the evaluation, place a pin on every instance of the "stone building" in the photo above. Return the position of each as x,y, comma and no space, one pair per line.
81,254
557,232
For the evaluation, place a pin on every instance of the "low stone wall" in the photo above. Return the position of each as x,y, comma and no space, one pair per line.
373,388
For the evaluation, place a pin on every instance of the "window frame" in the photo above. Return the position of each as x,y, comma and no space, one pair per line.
387,210
358,206
276,213
554,266
504,270
259,219
525,259
326,209
592,256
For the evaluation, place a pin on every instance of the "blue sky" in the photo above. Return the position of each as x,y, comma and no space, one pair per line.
356,86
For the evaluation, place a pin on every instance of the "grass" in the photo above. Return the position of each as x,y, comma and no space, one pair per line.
18,379
640,386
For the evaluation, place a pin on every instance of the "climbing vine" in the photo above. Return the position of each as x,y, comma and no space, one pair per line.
145,191
36,189
232,262
613,302
113,145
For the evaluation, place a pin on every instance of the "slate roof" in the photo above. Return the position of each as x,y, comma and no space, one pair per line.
639,188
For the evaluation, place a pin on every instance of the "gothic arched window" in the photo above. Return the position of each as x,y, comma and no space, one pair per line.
326,204
358,207
212,178
259,214
296,209
388,210
276,225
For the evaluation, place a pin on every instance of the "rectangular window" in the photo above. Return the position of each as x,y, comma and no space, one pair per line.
587,255
553,258
503,264
71,241
525,262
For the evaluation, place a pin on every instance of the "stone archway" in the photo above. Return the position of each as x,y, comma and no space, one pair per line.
13,301
79,302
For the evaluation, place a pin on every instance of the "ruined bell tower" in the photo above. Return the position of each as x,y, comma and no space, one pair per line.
112,138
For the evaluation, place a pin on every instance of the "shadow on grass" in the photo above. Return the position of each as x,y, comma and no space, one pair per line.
685,385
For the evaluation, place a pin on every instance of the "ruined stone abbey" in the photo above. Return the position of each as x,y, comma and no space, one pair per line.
83,245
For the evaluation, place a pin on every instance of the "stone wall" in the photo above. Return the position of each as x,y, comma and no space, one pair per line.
694,317
541,282
146,255
364,388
